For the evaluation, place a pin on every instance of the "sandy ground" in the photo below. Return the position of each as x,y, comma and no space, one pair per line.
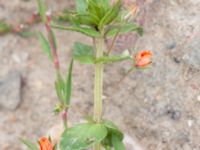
159,107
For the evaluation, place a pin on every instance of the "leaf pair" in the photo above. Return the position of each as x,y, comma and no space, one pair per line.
85,135
123,28
85,55
92,16
64,87
111,15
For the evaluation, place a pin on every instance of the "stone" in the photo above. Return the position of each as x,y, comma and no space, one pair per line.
190,123
198,98
131,144
192,57
10,91
21,57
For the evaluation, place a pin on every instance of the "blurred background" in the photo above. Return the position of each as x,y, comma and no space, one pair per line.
157,107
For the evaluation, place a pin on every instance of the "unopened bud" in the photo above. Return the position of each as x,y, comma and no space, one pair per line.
133,11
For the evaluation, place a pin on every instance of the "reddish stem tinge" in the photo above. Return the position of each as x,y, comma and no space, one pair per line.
52,42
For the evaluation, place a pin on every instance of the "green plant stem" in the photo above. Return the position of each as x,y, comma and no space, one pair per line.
113,42
64,117
122,79
98,86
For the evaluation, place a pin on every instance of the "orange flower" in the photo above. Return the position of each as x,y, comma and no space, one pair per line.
45,144
143,58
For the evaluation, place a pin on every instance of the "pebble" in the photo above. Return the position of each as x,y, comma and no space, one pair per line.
19,58
190,123
198,98
192,57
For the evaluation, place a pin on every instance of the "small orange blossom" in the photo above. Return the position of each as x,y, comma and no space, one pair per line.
143,58
45,144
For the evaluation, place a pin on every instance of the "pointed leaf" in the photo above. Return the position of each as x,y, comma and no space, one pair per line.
45,45
42,9
60,87
29,144
86,19
95,7
83,53
84,30
82,136
111,59
110,15
129,27
68,86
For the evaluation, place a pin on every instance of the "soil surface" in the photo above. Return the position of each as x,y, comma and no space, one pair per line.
157,107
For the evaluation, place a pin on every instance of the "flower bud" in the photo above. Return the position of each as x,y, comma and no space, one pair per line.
133,11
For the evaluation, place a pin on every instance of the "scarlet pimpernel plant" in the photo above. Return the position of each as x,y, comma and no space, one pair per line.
100,20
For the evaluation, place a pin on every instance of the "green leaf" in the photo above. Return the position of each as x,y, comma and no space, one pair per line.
106,4
68,86
84,30
60,87
63,16
117,143
27,34
111,59
29,144
82,136
122,29
113,129
94,8
42,10
85,19
110,15
45,45
52,38
81,6
83,53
